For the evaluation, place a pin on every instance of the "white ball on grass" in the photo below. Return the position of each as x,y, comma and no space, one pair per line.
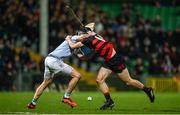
89,98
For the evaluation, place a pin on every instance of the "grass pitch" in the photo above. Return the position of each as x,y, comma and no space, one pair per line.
125,103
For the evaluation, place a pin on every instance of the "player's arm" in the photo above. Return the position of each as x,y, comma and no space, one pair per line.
73,45
84,36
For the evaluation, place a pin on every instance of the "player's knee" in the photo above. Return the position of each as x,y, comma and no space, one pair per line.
99,81
77,75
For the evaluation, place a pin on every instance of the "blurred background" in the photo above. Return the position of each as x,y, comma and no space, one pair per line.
145,32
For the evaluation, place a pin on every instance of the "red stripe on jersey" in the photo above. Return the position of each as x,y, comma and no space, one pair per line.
99,45
110,53
104,49
94,41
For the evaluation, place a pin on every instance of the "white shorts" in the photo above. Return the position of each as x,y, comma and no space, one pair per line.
53,66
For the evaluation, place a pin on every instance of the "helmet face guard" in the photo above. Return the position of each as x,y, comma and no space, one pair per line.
85,30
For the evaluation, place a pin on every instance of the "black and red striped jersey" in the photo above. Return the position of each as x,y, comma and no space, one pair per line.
100,46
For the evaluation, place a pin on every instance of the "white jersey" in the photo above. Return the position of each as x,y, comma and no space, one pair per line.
64,50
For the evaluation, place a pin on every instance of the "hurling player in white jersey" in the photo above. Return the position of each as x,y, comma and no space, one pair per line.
54,64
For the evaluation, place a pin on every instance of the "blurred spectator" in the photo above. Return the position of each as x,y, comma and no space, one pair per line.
1,72
9,76
174,57
139,66
8,52
24,58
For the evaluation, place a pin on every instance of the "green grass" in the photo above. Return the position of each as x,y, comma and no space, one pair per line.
125,102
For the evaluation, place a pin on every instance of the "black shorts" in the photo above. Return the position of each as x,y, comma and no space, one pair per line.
116,63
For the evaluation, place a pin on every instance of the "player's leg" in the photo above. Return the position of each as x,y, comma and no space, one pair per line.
48,76
47,80
72,84
102,75
100,80
41,88
124,75
39,92
65,68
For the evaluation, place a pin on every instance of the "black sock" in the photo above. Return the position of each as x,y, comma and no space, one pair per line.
107,96
145,89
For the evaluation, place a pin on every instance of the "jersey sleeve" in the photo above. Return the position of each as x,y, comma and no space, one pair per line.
74,38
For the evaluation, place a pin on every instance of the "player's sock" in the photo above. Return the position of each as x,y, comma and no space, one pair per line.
34,101
145,89
107,96
109,102
67,95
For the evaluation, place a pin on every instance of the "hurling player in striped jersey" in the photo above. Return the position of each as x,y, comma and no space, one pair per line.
114,62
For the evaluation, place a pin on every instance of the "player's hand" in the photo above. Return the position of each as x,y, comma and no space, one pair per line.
68,37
